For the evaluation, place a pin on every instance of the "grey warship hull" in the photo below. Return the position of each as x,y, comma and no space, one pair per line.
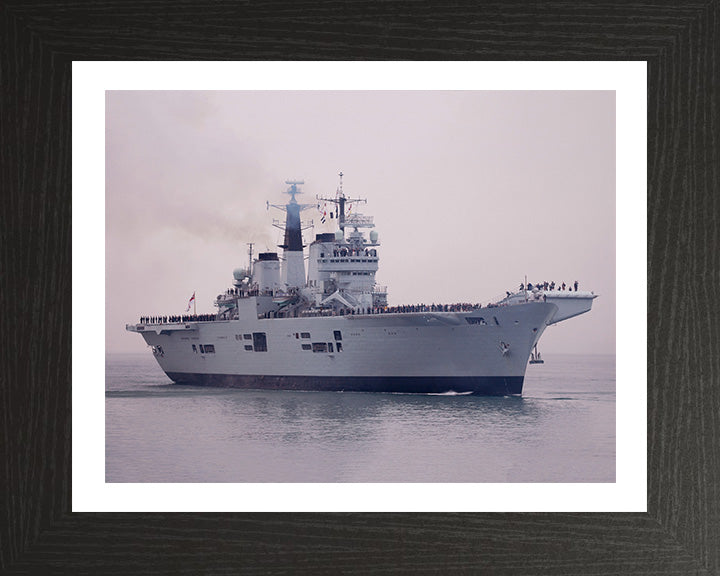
479,352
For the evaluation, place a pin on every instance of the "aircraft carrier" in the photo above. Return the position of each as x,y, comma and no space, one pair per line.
281,327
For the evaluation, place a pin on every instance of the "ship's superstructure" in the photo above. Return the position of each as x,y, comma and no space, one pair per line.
333,330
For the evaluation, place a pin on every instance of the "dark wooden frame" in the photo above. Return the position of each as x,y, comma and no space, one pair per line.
680,533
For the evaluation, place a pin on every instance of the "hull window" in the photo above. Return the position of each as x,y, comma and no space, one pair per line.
337,334
259,341
319,347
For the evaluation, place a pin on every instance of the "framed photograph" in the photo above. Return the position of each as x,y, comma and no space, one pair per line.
408,280
662,524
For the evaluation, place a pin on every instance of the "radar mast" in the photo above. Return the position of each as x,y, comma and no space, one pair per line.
293,271
340,201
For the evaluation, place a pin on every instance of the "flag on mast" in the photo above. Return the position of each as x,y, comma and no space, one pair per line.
190,302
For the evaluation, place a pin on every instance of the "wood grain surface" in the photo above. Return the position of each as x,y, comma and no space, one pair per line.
680,534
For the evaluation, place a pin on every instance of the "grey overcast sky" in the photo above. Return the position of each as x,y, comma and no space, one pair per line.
470,191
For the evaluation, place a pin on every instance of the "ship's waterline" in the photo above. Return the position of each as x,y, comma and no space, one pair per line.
485,385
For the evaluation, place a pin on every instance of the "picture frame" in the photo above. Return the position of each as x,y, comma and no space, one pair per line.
680,531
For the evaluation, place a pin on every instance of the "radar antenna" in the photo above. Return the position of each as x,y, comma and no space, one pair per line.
292,190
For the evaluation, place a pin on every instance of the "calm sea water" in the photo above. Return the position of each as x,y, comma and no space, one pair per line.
561,430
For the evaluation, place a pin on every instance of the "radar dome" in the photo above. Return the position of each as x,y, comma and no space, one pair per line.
239,273
338,235
373,236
